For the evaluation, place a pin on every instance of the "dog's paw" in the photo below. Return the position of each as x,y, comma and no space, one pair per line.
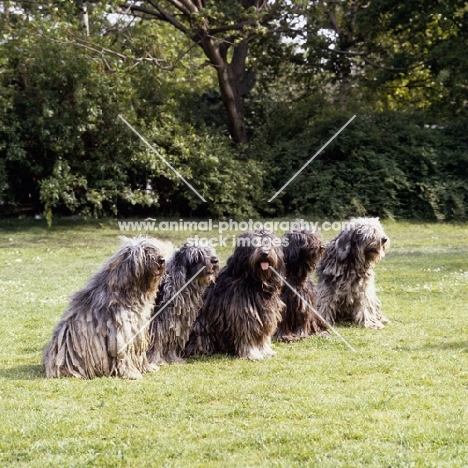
384,319
152,367
375,325
267,352
252,354
132,375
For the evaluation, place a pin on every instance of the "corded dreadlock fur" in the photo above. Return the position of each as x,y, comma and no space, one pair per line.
302,249
346,289
102,333
241,310
174,314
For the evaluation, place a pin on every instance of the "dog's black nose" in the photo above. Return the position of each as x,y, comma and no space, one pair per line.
384,239
214,260
264,253
161,260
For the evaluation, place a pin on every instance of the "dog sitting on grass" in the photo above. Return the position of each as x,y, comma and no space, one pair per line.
241,310
302,249
178,303
104,331
346,289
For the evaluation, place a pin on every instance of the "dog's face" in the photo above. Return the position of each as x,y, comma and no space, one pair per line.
261,259
302,251
204,257
139,261
255,253
365,239
374,249
194,258
155,262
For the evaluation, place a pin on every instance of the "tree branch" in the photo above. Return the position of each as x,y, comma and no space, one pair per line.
145,10
332,19
102,50
189,6
159,14
239,56
242,24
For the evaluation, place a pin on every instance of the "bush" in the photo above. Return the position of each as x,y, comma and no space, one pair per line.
382,164
64,150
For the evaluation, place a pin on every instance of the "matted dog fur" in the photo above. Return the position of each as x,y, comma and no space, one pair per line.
94,336
302,249
169,329
346,289
241,310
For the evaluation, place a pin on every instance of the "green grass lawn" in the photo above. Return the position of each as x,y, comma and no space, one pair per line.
400,401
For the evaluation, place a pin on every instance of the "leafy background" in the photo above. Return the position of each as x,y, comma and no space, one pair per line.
402,71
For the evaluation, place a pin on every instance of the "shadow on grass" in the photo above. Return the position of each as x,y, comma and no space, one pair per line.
459,346
449,345
24,372
212,358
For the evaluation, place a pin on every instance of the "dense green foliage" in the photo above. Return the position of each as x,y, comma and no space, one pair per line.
384,164
401,68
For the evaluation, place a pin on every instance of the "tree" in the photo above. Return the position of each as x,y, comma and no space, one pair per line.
348,43
409,55
64,150
223,30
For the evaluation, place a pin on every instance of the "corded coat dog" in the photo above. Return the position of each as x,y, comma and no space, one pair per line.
178,303
346,289
241,310
302,249
104,331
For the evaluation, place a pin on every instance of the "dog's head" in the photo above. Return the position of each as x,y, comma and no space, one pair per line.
303,248
359,246
365,239
191,259
139,262
255,252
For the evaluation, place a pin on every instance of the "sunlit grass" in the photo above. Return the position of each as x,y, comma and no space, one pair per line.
400,401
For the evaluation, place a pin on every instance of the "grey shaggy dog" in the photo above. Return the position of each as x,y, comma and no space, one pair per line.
303,248
94,336
169,329
241,310
346,289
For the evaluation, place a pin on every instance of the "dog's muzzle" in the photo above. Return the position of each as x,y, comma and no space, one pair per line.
264,264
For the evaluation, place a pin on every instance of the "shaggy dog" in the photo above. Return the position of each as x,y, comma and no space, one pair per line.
169,329
346,288
102,333
302,249
241,310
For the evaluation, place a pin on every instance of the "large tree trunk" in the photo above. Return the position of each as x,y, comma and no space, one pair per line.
232,99
215,40
230,78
